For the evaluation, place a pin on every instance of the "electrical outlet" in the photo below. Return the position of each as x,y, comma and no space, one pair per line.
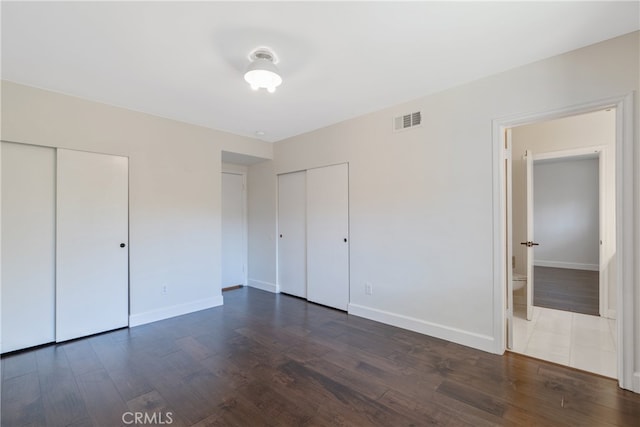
164,289
368,289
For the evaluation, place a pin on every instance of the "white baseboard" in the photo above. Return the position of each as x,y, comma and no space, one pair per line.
265,286
174,310
570,265
459,336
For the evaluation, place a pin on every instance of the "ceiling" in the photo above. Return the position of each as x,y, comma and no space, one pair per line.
185,60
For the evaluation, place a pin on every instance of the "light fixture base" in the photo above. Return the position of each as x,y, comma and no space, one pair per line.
261,72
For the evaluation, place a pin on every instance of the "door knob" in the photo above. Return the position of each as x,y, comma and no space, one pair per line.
530,244
345,240
122,245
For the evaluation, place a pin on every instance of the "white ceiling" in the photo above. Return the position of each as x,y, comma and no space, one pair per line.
185,60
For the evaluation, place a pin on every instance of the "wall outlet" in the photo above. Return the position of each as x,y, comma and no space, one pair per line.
164,289
368,289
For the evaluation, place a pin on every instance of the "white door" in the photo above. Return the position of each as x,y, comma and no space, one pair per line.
233,230
509,233
328,236
292,233
28,245
92,244
528,157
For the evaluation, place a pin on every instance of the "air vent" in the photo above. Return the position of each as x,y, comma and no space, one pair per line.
407,121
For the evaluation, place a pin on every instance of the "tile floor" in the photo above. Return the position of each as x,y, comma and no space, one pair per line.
572,339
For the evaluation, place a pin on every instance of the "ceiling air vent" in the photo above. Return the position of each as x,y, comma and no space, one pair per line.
407,121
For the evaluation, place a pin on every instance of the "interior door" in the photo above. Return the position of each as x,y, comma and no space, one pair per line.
292,233
508,234
328,236
528,162
92,243
233,230
28,245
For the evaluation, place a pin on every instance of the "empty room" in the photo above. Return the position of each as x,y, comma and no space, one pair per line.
320,213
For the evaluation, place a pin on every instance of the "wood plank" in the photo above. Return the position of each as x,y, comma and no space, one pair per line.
266,359
101,398
567,289
62,400
22,401
17,364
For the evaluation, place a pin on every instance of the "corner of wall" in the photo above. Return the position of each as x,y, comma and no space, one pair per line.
265,286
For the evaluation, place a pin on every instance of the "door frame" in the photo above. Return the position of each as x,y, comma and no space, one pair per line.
245,219
626,226
601,152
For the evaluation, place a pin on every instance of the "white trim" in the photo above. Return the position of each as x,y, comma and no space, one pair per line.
173,311
564,264
628,237
459,336
627,226
574,152
265,286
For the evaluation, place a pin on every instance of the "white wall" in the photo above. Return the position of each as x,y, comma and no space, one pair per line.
174,181
262,191
566,213
421,201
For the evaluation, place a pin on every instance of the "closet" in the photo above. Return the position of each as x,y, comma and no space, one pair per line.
313,231
65,256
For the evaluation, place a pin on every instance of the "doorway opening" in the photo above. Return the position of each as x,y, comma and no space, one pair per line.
620,239
563,229
563,240
234,227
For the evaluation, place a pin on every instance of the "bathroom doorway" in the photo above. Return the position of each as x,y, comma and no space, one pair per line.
565,311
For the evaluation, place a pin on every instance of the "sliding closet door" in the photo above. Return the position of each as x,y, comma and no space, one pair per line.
28,245
92,244
328,236
292,223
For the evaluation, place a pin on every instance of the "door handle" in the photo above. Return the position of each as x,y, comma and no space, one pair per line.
122,245
530,244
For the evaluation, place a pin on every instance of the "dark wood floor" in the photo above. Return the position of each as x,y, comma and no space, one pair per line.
566,289
265,359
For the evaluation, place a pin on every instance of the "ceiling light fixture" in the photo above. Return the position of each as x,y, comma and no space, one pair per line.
262,71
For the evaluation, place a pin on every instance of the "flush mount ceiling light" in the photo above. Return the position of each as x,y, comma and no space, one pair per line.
262,72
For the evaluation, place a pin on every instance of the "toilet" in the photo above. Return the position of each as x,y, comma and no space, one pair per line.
519,281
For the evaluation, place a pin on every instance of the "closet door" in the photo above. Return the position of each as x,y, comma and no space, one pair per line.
328,236
233,230
28,245
292,223
92,244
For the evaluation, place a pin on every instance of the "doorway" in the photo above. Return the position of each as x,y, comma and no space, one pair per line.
568,225
234,230
568,217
